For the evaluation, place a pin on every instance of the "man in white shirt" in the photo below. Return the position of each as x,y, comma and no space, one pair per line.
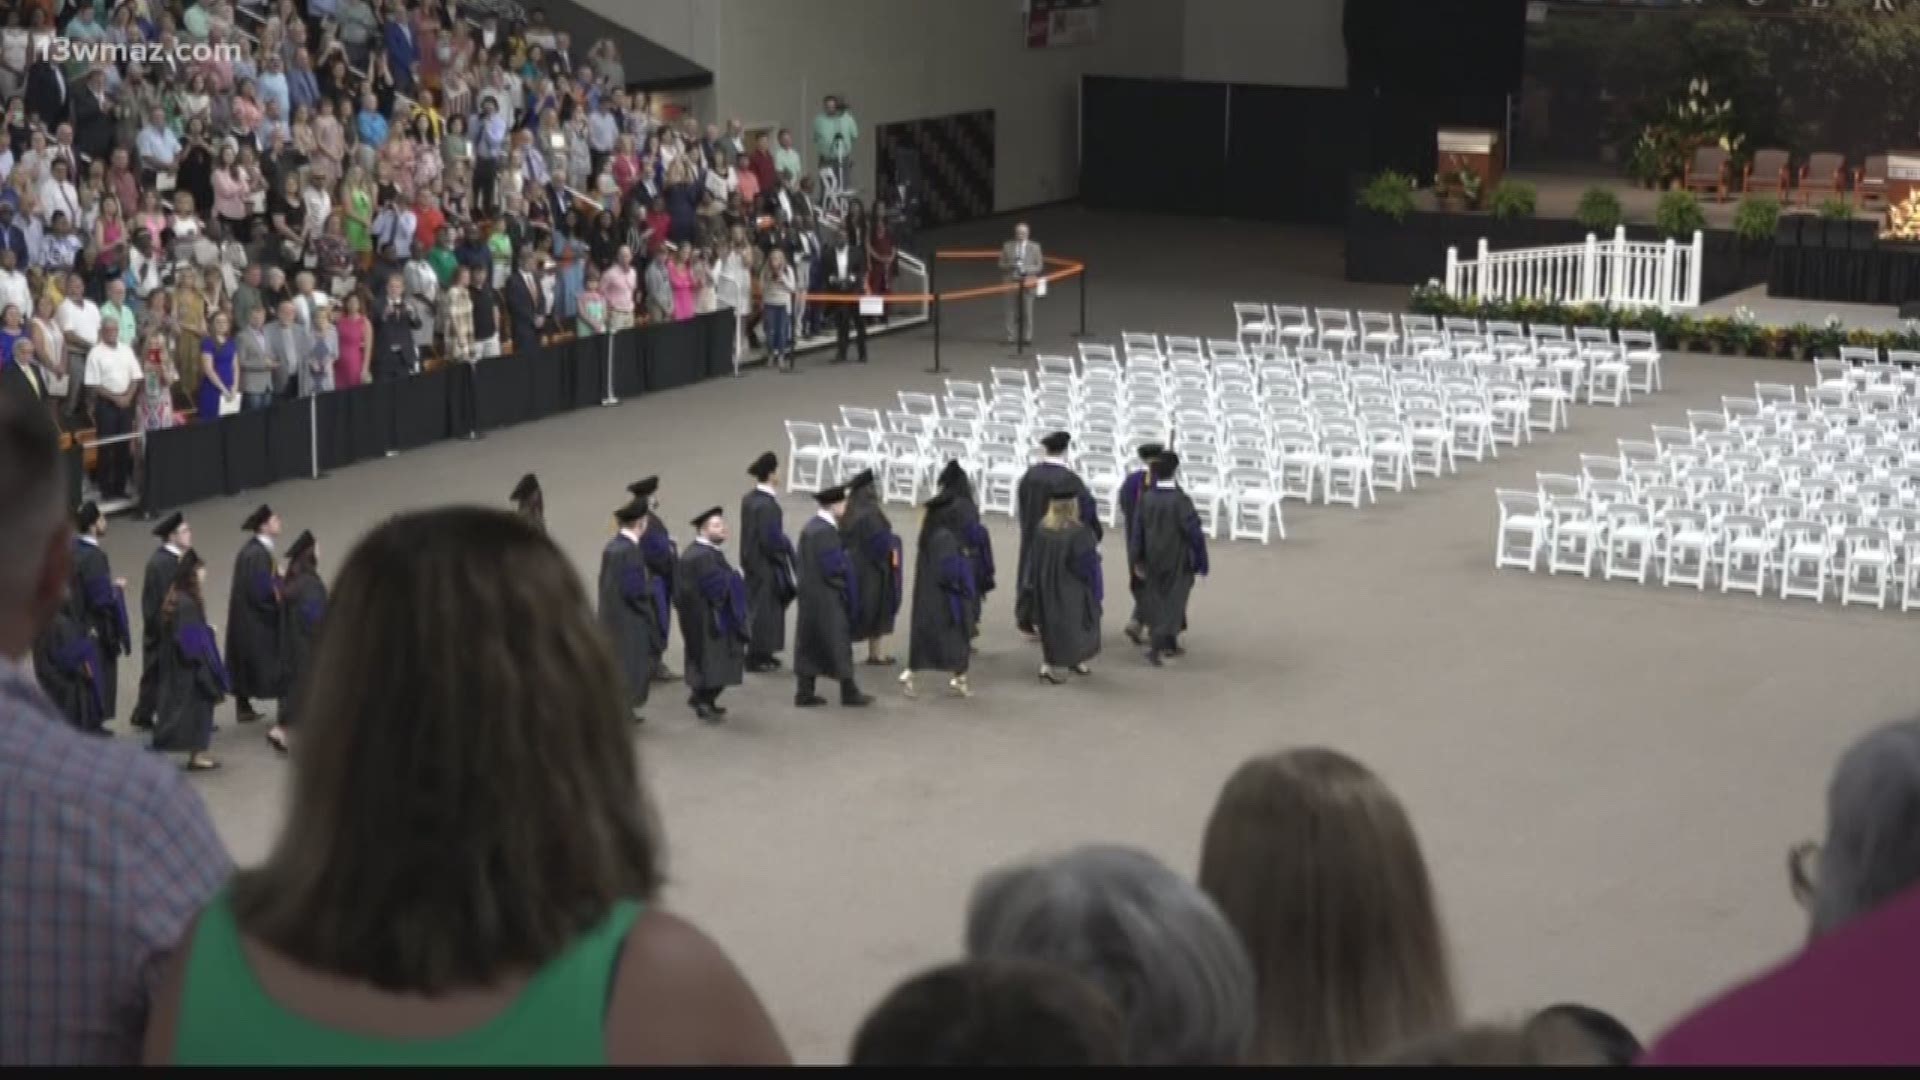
60,246
1020,262
14,290
158,146
113,379
58,195
78,318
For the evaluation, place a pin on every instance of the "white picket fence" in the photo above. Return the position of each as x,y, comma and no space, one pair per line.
1620,272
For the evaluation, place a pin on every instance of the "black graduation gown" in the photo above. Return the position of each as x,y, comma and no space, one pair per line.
766,560
628,615
711,598
253,623
66,661
162,566
192,681
304,606
943,602
1166,539
1129,500
1067,591
963,517
829,590
100,606
874,550
1030,501
657,547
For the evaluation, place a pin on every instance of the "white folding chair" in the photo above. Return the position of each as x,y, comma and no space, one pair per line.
1867,564
1631,537
1573,536
1208,491
1805,558
811,456
1392,455
1521,532
1745,554
1347,472
1300,464
1253,323
1255,505
859,451
999,474
1336,329
906,467
1688,548
1641,351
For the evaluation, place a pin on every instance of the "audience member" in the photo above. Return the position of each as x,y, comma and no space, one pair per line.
1155,944
1314,862
105,853
992,1014
1563,1035
515,920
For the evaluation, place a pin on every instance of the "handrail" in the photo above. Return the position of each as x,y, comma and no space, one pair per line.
1619,272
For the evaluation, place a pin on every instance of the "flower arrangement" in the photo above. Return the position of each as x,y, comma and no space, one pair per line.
1390,194
1660,150
1903,219
1738,335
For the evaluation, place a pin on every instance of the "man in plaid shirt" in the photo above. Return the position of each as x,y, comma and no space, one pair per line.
456,319
105,853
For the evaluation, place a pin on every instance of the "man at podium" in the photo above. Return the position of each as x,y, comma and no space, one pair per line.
1020,263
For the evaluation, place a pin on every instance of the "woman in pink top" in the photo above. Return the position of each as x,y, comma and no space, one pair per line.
246,109
153,217
617,283
230,193
680,276
354,331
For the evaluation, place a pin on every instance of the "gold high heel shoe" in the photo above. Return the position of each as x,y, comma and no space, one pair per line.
906,685
958,684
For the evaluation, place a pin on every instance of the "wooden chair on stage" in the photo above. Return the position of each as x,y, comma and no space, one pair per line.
1824,176
1707,172
1870,186
1769,173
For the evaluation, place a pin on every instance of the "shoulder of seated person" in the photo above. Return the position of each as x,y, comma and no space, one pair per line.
692,1002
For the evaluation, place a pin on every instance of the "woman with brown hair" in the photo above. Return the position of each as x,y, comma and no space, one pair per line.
1314,861
468,871
192,677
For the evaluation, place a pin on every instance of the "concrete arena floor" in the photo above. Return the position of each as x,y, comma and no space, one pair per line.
1605,777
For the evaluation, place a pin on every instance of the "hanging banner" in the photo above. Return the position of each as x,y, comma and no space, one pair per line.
1062,22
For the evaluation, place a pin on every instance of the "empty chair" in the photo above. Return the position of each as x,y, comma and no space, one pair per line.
811,456
1707,171
999,474
905,423
918,404
1805,554
1179,345
1910,574
1224,350
1255,505
1377,332
1253,323
1336,328
862,419
1641,351
1096,352
1745,552
1460,324
1867,564
1208,492
1392,455
1430,443
1134,343
1347,472
905,468
1573,536
1769,173
1599,467
1630,538
1607,378
1102,476
1521,532
860,450
1472,426
1687,548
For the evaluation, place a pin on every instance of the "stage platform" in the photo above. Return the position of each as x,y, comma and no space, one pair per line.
1560,192
1782,313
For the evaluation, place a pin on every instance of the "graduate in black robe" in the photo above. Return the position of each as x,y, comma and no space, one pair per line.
829,594
254,617
766,560
192,678
944,598
98,601
711,598
1030,502
530,502
1129,499
963,513
1066,584
875,552
663,556
176,537
66,662
626,603
303,605
1166,550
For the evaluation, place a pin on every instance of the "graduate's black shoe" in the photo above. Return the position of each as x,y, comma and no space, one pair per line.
1176,652
882,661
144,723
808,701
1134,635
249,716
1153,657
855,701
1052,679
762,667
663,673
708,713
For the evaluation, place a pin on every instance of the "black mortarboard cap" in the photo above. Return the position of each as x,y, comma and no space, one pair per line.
1149,451
864,479
1165,465
87,516
1057,442
301,545
952,474
831,496
640,489
169,525
700,521
528,486
763,466
258,518
632,512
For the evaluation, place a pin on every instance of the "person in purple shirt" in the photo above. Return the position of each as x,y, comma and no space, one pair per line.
106,854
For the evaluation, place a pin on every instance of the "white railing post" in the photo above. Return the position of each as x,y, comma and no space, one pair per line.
1663,282
1453,271
1589,268
1480,291
1693,271
1618,276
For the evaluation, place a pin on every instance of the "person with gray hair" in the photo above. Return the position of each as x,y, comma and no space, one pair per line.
1148,937
1872,848
105,853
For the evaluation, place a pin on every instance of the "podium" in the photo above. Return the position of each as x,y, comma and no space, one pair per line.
1903,176
1470,150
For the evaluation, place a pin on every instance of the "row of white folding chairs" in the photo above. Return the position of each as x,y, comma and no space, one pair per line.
1870,504
1744,551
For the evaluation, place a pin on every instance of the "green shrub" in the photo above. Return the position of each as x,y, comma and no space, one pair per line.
1679,215
1835,208
1757,218
1513,199
1599,210
1389,194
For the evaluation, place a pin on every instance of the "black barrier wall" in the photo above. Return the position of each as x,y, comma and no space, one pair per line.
229,455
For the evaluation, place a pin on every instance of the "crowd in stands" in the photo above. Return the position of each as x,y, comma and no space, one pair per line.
343,190
469,867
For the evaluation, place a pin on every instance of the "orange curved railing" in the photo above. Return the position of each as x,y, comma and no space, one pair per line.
1064,268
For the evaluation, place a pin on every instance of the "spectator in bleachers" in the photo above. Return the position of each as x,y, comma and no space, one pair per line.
1155,944
516,921
1315,863
988,1014
104,852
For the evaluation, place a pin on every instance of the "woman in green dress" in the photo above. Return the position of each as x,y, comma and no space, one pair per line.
359,195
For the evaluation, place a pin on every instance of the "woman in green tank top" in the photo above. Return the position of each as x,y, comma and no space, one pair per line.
467,869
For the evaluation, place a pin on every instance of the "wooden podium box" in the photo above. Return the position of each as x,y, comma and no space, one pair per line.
1472,150
1903,175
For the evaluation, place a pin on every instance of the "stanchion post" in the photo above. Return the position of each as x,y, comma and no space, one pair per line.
1019,298
933,306
313,437
609,399
1083,303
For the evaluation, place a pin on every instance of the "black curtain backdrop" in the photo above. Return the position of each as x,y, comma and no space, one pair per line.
253,449
1842,261
1414,66
1288,150
1155,145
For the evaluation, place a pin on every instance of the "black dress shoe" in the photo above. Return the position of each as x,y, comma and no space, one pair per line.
249,717
1153,657
708,713
856,701
762,667
809,701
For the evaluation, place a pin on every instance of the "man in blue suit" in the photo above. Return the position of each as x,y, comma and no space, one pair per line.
402,54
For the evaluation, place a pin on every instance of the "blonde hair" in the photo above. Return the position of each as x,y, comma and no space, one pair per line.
1062,513
1315,862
